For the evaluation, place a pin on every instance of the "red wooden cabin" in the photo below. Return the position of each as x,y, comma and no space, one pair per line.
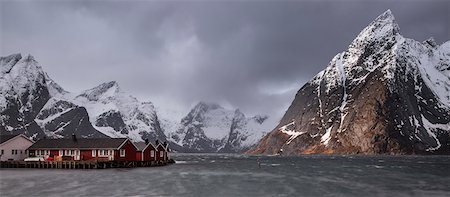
147,151
161,152
112,149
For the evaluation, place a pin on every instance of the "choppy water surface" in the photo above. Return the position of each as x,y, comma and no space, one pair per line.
241,175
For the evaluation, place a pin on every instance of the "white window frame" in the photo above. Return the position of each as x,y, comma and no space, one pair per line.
152,153
103,153
122,152
94,153
161,153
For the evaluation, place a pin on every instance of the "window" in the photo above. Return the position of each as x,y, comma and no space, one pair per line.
161,153
2,152
72,152
41,152
104,152
94,153
152,153
12,152
122,152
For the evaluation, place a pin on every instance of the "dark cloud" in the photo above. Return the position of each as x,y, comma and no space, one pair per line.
251,55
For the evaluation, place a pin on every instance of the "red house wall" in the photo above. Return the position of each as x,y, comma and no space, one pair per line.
86,155
138,155
54,153
158,154
130,152
147,153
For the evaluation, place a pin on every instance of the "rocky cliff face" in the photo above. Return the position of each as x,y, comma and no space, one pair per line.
208,127
385,94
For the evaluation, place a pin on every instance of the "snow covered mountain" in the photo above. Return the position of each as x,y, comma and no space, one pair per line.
118,114
208,127
385,94
26,92
32,103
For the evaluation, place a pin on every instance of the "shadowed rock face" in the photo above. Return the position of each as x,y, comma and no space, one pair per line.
112,119
385,95
21,102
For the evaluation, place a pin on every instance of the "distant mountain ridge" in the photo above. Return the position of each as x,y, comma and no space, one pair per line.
209,127
35,105
385,94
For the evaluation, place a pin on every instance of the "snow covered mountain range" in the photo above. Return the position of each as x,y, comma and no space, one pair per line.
211,128
33,104
385,94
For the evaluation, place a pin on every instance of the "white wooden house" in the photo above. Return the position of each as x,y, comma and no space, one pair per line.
14,147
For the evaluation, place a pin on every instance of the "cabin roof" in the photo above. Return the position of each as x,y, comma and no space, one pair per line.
140,145
4,138
82,143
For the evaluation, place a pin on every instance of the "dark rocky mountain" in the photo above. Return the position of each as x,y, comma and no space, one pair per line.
385,94
209,127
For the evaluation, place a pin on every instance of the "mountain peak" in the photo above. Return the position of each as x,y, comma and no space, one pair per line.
110,84
8,62
103,90
386,16
385,94
382,27
16,57
29,58
208,105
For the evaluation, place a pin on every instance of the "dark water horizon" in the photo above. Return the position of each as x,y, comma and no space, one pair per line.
245,175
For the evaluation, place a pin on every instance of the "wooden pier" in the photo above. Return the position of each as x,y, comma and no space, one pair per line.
92,164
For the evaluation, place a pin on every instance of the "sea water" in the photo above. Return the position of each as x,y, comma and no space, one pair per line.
244,175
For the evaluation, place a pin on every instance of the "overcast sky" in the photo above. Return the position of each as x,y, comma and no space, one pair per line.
243,54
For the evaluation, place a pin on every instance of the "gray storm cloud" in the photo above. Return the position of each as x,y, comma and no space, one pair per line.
249,55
